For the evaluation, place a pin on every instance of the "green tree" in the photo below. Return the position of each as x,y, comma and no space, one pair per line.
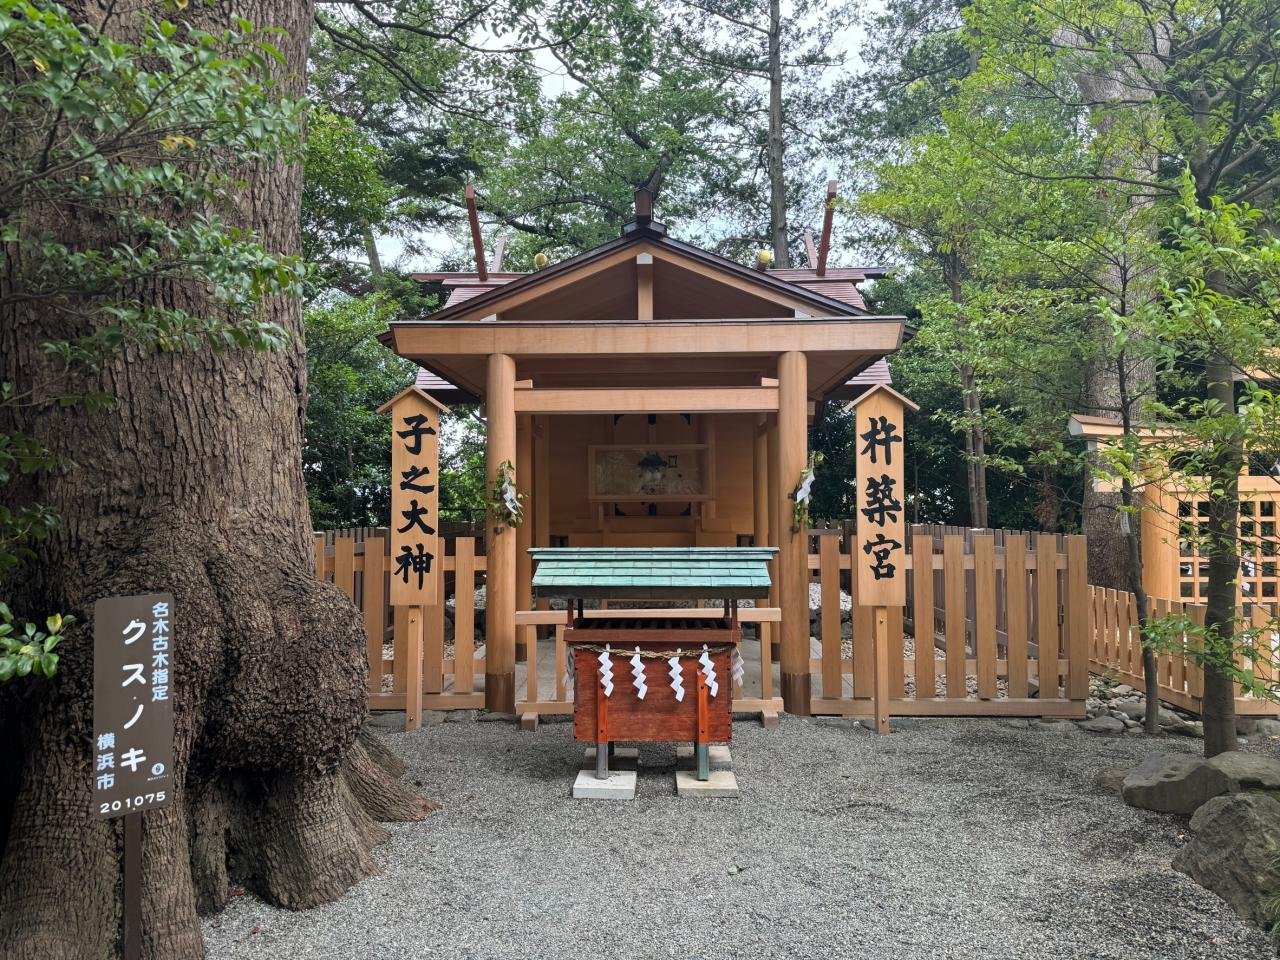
344,195
152,354
1166,87
349,375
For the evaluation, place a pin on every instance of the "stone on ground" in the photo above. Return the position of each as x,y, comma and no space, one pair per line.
721,783
1111,780
1247,771
1173,783
619,785
1236,852
1103,725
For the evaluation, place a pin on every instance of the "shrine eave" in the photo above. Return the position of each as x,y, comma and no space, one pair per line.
837,347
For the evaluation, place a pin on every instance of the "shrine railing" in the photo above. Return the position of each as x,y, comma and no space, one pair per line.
998,627
1115,648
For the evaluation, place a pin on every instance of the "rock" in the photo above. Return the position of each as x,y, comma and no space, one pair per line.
1122,690
1102,725
1063,728
1247,771
1131,724
1132,709
1173,783
1188,728
1265,726
1236,852
1168,718
1110,779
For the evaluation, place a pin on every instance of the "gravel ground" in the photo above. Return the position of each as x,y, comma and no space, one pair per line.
947,839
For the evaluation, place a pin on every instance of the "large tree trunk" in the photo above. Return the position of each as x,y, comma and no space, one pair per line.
192,483
777,144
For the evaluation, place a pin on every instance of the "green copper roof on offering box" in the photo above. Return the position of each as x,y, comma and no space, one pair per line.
653,572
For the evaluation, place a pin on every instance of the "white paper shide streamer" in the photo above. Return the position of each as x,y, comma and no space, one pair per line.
606,671
677,677
511,500
637,672
709,671
737,667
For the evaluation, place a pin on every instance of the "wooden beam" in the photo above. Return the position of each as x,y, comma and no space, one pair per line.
648,400
810,250
477,243
499,253
824,244
774,336
644,287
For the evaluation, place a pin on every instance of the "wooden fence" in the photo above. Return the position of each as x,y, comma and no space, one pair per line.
997,628
997,625
1115,649
358,562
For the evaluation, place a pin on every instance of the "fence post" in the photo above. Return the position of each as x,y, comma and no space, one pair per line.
1077,615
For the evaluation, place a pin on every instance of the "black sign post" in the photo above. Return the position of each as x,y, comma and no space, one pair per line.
132,728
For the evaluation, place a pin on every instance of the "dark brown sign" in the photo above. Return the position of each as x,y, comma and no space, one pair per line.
132,704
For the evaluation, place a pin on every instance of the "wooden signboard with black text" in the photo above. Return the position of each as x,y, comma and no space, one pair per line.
415,497
880,550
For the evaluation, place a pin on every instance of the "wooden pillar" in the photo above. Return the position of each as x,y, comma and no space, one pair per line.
774,485
793,446
760,482
500,578
542,490
524,533
1158,521
760,532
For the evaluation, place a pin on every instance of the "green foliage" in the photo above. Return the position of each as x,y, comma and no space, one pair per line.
27,649
124,140
344,195
463,468
349,375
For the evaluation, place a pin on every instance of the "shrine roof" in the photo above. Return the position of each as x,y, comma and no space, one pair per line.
650,573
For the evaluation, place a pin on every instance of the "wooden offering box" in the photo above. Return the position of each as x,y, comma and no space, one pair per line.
693,706
659,716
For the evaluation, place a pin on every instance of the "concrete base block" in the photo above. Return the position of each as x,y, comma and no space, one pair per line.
717,753
624,758
722,783
620,785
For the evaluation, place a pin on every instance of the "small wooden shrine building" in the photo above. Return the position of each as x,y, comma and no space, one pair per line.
648,393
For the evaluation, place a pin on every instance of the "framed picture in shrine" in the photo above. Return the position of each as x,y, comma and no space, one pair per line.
653,473
880,547
415,497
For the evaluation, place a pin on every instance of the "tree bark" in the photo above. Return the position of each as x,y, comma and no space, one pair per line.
776,143
190,483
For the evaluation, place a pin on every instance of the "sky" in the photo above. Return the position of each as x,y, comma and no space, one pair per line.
439,244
